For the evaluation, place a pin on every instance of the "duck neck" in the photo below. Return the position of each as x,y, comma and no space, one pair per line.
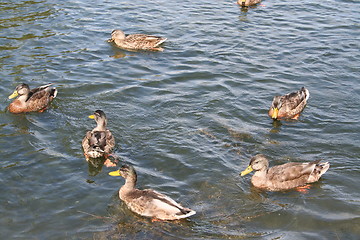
23,98
100,125
261,173
259,178
129,185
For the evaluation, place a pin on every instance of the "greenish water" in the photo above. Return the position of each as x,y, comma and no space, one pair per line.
189,118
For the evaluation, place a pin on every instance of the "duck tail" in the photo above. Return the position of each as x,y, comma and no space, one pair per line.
161,40
322,168
53,92
96,148
319,170
305,92
185,212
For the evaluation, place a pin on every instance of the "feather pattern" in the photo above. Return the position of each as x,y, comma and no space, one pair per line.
148,202
136,41
285,176
34,100
98,142
289,106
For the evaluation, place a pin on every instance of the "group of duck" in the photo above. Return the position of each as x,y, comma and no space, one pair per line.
100,143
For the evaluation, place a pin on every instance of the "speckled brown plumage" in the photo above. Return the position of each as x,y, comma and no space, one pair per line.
246,3
136,41
34,100
98,142
148,202
289,106
285,176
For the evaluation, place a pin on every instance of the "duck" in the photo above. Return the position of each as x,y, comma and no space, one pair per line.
99,142
136,41
34,100
246,3
148,203
289,106
286,176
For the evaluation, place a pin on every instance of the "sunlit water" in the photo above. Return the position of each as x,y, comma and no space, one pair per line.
189,118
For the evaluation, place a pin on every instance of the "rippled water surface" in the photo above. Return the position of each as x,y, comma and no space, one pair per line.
188,118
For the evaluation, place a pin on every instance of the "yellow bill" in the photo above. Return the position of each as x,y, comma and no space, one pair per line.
275,113
247,171
92,116
14,94
115,173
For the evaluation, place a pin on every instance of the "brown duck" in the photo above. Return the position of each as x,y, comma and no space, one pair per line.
148,203
34,100
285,176
136,41
246,3
99,142
290,105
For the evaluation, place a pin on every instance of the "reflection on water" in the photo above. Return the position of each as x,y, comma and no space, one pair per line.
95,166
119,54
24,12
276,126
21,123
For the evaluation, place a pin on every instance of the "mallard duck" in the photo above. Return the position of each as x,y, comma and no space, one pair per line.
34,100
136,41
246,3
148,203
99,142
285,176
290,105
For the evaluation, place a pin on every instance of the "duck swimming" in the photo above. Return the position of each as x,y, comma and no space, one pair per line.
34,100
99,142
285,176
246,3
136,41
148,202
290,105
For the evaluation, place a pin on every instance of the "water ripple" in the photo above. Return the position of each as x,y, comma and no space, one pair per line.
189,118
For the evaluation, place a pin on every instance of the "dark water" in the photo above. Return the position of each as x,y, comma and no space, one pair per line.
189,118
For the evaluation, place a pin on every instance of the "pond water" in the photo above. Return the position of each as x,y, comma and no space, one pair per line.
188,118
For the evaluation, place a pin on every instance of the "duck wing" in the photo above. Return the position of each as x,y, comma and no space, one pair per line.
295,100
291,175
41,96
143,41
85,142
291,171
110,142
154,204
97,140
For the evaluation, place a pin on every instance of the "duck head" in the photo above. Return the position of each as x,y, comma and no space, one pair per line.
125,171
100,119
21,89
117,35
257,163
276,105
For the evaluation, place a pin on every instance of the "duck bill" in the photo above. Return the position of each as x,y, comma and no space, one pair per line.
110,40
246,171
14,94
92,116
275,113
115,173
